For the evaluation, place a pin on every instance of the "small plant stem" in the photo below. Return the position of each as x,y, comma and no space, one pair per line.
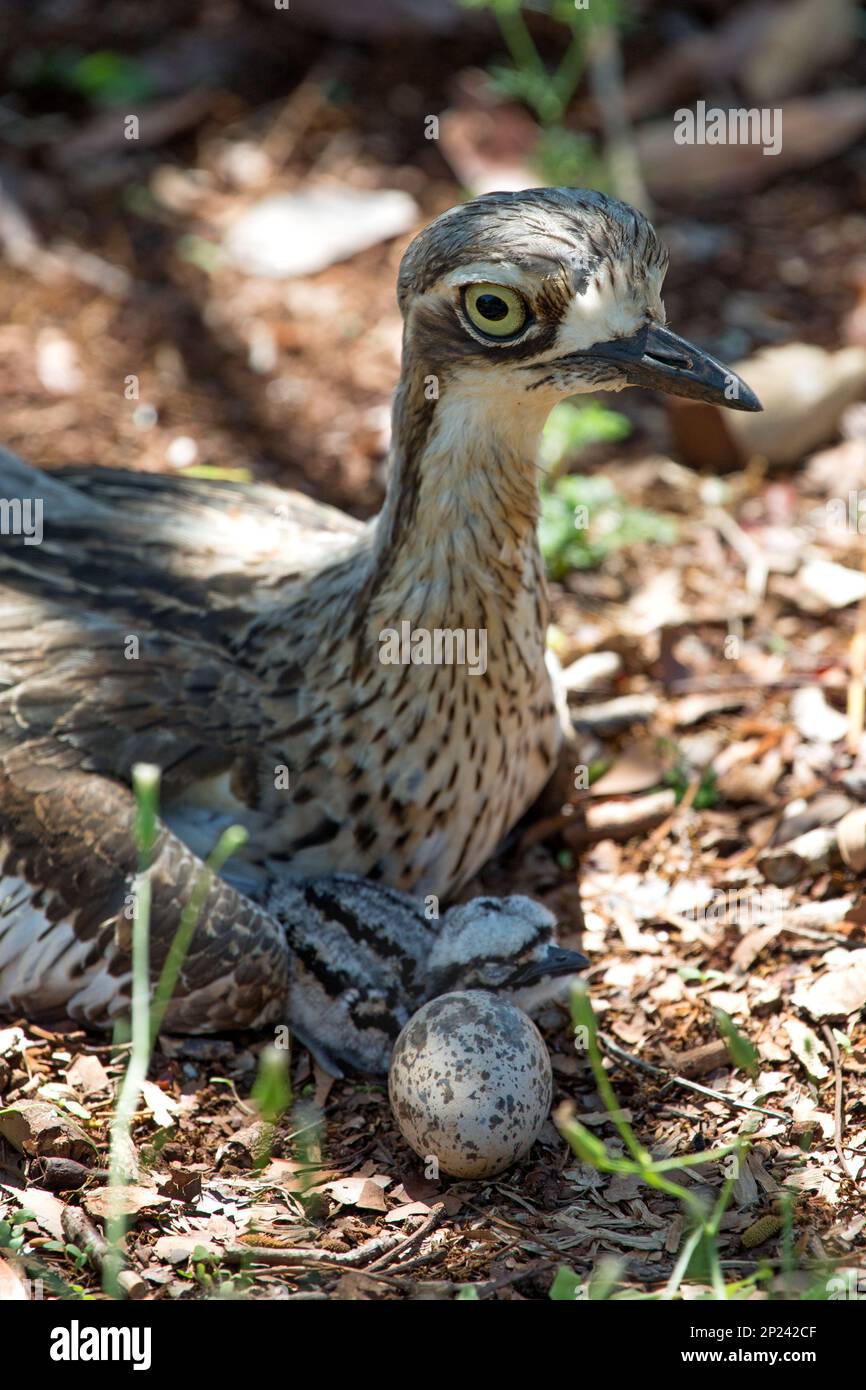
673,1080
521,44
684,1259
567,75
228,844
592,1150
526,58
663,1165
146,1019
146,784
586,1019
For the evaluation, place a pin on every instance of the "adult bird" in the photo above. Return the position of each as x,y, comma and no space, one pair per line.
237,636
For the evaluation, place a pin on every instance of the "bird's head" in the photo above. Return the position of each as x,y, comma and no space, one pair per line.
546,293
507,945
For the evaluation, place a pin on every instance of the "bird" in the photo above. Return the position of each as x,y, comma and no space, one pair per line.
363,959
352,962
296,671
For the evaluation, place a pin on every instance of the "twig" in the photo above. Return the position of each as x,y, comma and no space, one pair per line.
424,1230
837,1107
303,1255
424,1257
512,1228
662,831
621,1055
752,555
79,1230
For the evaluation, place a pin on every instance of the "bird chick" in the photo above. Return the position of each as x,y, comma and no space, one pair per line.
364,958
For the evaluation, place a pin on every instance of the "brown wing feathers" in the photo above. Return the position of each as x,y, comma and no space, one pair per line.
70,836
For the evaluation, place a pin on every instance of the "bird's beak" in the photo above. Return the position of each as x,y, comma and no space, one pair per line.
656,357
557,961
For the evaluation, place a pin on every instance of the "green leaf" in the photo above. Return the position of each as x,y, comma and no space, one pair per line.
272,1091
566,1286
690,975
583,520
572,427
680,779
567,159
743,1054
111,79
605,1277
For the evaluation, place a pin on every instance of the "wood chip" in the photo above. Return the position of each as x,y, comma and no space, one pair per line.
34,1127
810,854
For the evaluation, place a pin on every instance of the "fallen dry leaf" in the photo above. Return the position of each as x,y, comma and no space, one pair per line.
88,1076
163,1108
130,1201
838,993
358,1192
808,1048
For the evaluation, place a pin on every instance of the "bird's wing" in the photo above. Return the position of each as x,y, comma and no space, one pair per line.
237,540
68,861
122,621
185,547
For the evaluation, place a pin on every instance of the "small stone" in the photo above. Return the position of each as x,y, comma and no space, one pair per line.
591,671
815,719
301,233
145,416
182,451
613,716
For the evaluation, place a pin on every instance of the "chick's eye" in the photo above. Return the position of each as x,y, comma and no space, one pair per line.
495,310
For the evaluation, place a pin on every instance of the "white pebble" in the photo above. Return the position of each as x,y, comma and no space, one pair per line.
182,451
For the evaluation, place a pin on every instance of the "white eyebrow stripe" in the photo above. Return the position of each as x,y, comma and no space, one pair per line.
494,273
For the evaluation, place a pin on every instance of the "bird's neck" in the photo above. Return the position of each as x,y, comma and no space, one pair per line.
458,526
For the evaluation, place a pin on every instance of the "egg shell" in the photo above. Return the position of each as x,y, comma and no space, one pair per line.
470,1083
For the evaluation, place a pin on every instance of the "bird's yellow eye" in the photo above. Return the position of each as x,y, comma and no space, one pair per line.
495,310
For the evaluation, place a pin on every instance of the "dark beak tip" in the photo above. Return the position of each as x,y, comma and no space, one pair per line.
747,400
558,962
743,397
569,962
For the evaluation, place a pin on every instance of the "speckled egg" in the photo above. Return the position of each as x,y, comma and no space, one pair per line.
470,1083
